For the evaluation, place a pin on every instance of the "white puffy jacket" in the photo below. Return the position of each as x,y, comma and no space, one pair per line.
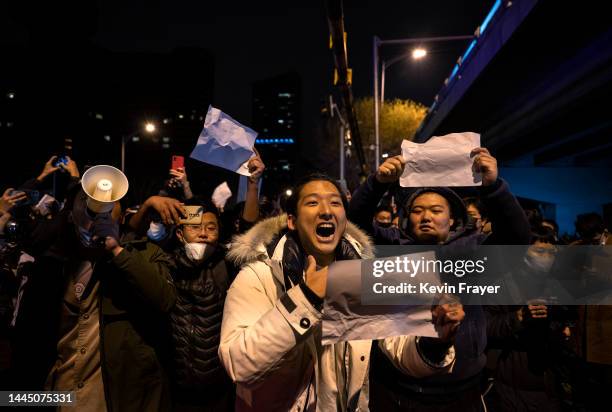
271,335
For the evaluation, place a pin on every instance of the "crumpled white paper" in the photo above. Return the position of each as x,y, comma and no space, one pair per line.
220,195
224,142
346,319
441,161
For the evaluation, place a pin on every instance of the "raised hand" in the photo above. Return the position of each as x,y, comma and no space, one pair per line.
391,170
485,164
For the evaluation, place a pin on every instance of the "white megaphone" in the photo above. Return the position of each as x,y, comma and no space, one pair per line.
103,185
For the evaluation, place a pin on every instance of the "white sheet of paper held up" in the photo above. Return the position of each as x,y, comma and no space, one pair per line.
224,142
441,161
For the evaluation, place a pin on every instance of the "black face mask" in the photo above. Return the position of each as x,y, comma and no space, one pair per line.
384,225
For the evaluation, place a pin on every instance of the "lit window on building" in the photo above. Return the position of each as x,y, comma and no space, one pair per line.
135,139
281,121
107,138
165,139
9,124
180,116
165,146
285,95
99,116
166,121
10,95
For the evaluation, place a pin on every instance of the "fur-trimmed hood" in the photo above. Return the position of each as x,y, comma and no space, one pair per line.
254,244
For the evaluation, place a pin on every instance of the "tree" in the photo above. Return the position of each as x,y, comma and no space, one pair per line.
399,120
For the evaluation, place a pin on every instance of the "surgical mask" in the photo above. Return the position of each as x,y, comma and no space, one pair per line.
196,251
541,264
156,232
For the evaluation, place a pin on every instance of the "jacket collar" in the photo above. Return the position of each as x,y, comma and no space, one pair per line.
271,242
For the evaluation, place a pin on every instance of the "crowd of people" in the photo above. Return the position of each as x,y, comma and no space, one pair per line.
177,304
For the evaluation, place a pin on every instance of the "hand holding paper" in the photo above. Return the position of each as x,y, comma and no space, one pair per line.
486,165
444,161
391,169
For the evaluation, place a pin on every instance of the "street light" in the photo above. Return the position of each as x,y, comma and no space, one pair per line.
149,128
377,42
417,54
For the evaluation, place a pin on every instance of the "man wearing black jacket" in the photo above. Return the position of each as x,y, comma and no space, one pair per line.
437,216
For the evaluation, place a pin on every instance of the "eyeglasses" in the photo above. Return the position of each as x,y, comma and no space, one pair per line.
200,227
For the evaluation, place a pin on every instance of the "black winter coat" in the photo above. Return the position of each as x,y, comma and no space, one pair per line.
196,319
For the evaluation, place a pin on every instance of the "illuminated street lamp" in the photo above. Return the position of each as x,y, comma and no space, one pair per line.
149,128
418,53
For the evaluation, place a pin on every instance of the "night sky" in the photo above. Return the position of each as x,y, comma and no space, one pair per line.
248,42
255,40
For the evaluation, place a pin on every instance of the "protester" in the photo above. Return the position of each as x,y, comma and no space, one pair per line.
270,337
526,342
438,216
478,212
202,276
383,216
92,318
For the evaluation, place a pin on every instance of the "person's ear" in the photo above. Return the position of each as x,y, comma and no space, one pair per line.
451,222
179,235
291,222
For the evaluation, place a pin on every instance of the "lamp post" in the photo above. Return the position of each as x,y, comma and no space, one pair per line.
417,54
376,44
149,128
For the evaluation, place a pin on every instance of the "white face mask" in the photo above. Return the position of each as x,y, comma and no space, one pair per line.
195,251
157,231
540,264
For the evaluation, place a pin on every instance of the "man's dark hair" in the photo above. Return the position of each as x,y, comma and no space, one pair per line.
384,208
588,225
552,223
292,201
477,203
542,234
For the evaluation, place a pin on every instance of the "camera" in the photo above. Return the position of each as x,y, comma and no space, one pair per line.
60,160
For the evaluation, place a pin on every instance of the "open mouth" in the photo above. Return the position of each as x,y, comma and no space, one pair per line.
325,231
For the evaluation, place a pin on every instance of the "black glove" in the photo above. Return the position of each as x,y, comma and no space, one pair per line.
104,227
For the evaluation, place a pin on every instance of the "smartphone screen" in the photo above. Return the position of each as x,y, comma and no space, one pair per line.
178,161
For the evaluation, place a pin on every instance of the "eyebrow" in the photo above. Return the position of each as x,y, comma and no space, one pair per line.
414,206
316,194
